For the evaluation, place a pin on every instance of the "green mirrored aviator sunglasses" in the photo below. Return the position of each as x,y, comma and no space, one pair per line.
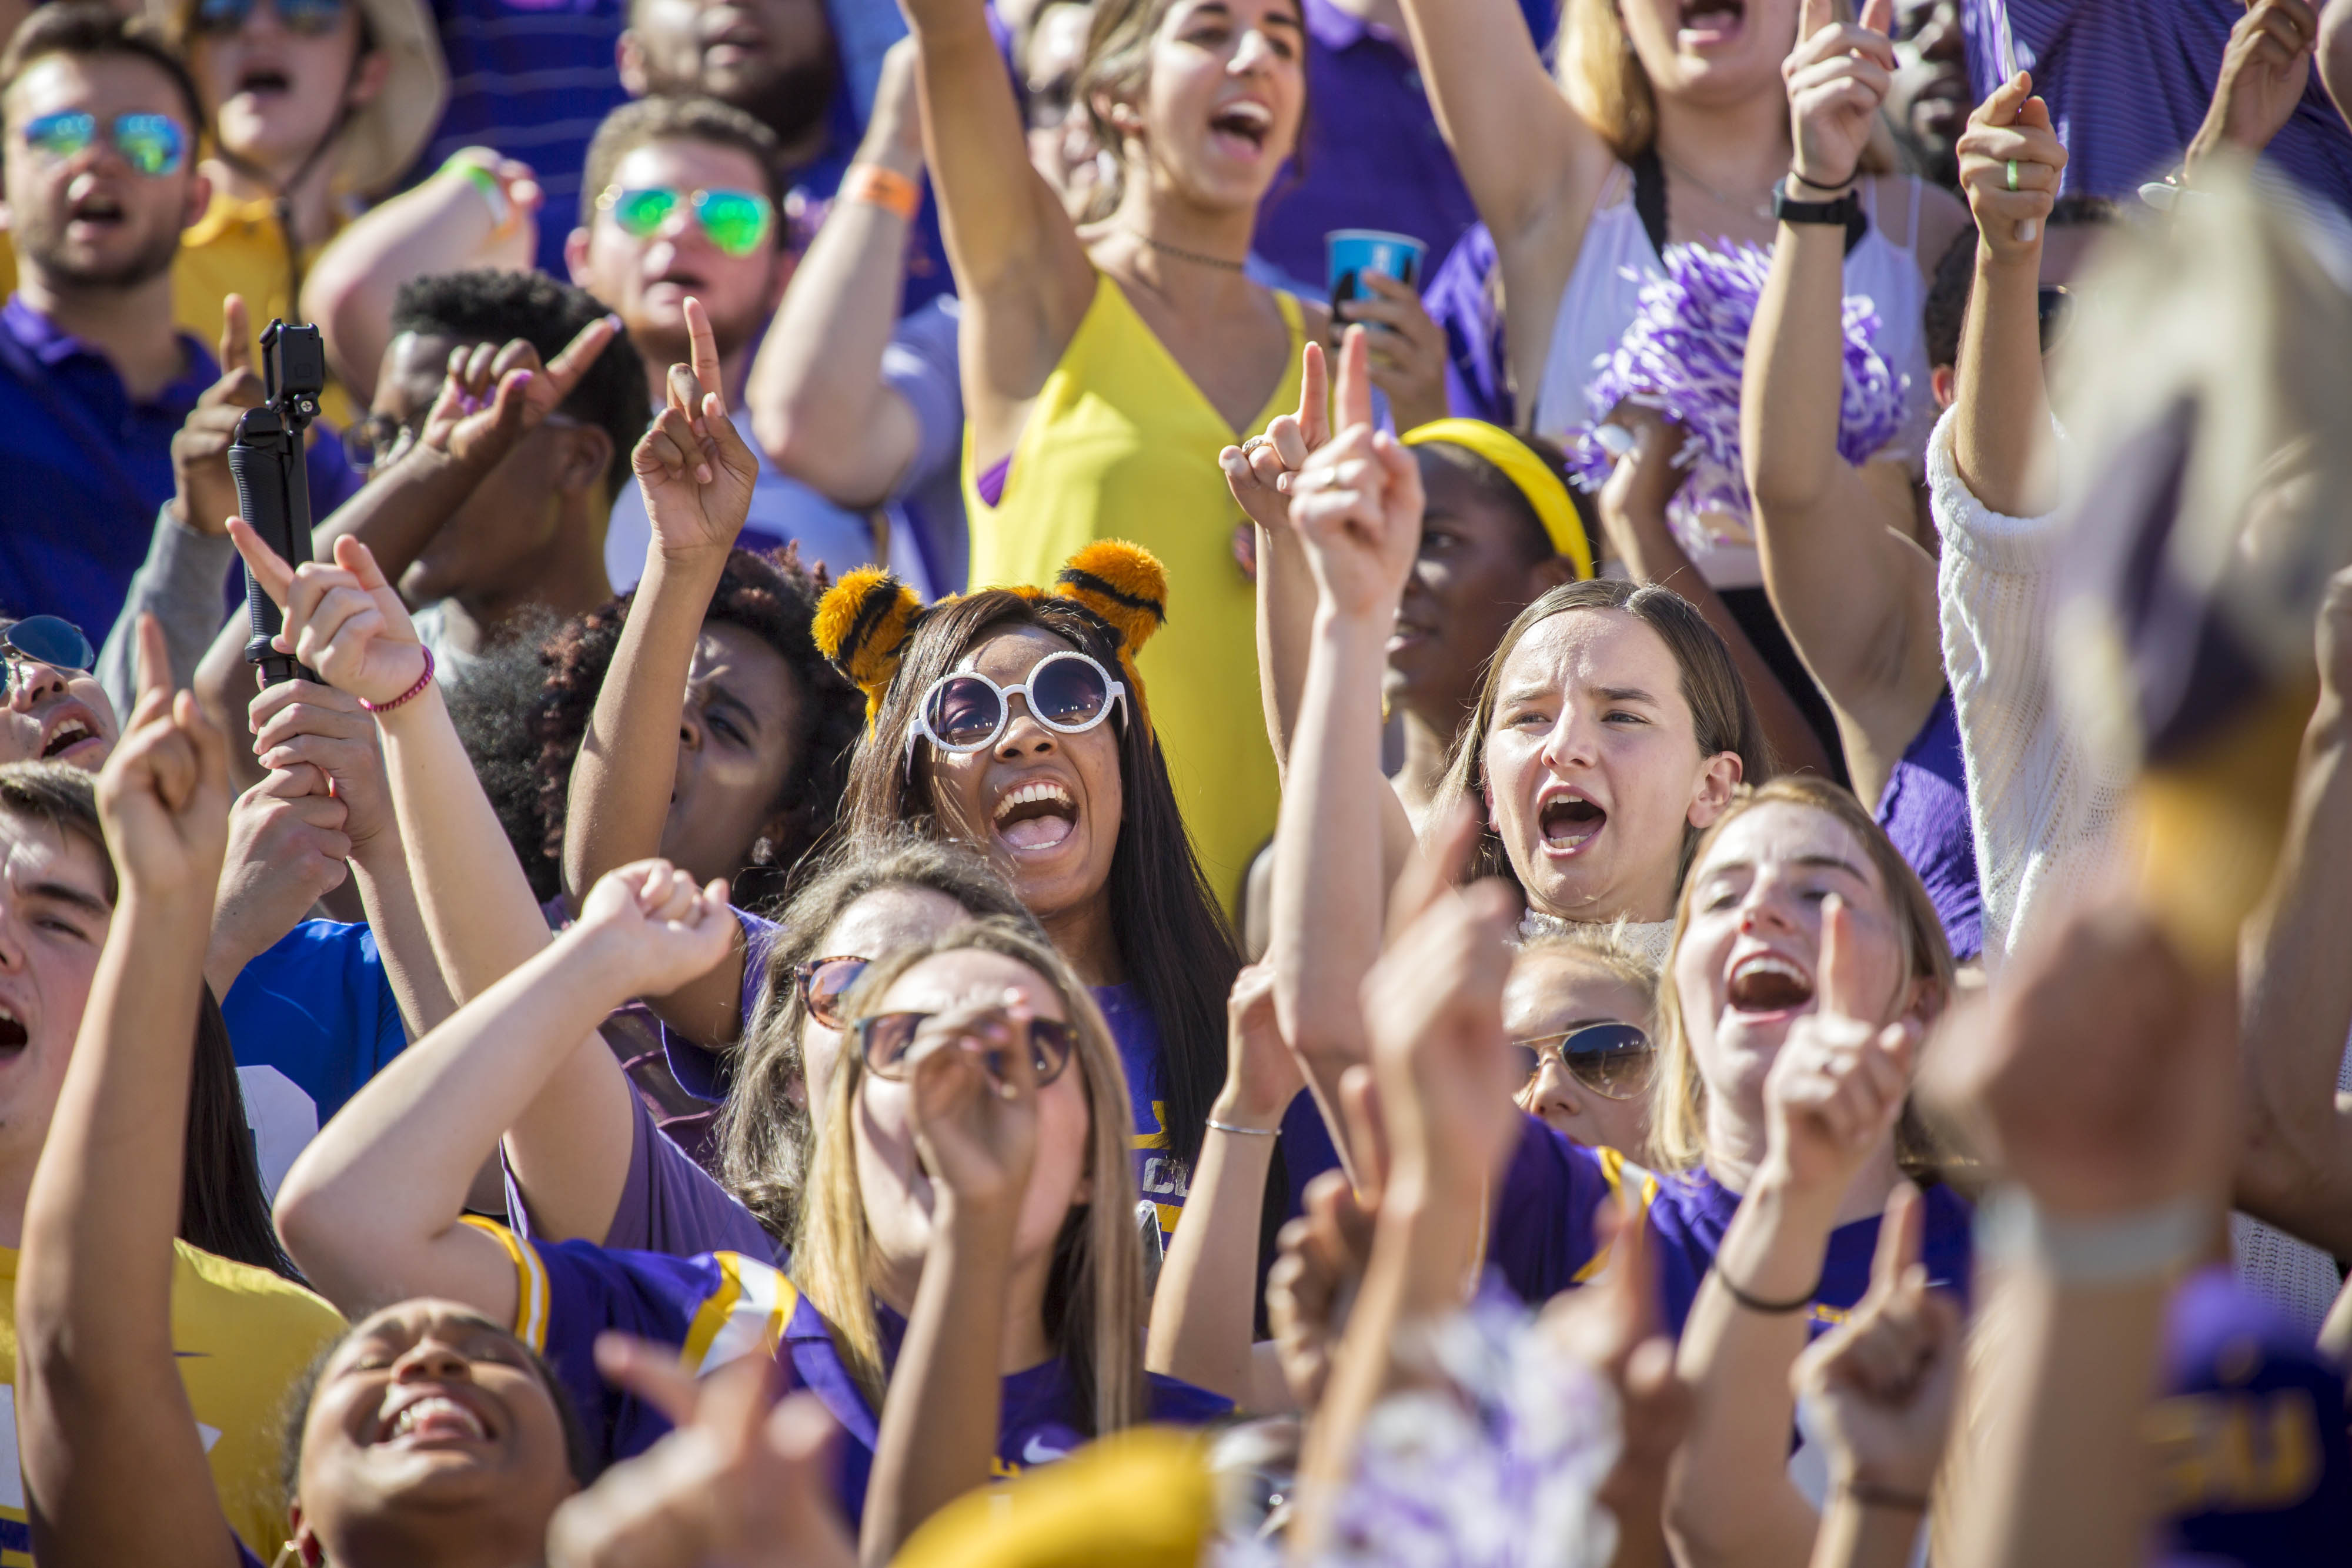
736,221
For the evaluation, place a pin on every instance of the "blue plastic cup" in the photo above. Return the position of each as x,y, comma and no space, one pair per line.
1350,251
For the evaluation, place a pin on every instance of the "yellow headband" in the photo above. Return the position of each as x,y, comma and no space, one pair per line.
1546,491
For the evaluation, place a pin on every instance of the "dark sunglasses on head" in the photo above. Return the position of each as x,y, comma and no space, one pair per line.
1612,1059
149,143
736,221
824,983
310,18
885,1038
1067,692
42,640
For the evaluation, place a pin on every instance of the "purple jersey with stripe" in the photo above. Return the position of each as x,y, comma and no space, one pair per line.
1543,1240
720,1305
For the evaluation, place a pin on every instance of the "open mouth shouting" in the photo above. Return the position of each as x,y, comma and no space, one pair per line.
1709,23
432,1418
264,81
96,211
1240,127
71,735
13,1035
1769,985
1036,816
1569,821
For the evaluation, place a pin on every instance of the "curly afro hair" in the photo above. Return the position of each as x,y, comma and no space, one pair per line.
775,597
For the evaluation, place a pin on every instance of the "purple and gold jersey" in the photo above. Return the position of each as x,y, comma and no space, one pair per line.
1542,1236
720,1305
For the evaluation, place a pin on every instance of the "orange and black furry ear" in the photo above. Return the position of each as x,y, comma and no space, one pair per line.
1124,583
862,625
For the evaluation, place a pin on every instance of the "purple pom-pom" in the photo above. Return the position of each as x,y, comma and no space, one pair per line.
1683,356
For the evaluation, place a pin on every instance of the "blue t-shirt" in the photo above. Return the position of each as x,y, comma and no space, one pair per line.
719,1306
311,1020
1543,1240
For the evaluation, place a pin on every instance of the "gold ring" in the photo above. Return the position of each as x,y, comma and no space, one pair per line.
1254,443
2012,173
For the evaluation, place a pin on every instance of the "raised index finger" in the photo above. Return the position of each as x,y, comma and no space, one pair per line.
704,347
1314,397
236,336
1839,985
1813,16
1902,1230
155,665
1878,16
1355,397
268,568
566,369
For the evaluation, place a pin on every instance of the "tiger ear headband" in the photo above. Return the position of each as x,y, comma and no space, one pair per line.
864,621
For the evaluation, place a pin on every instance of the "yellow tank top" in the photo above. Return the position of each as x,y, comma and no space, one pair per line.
1122,445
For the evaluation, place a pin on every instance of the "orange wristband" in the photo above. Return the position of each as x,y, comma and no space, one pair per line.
884,188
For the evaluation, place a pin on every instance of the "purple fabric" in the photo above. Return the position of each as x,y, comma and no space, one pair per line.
1464,296
2126,97
709,1074
990,482
2251,1435
1925,811
1369,154
668,1204
1543,1234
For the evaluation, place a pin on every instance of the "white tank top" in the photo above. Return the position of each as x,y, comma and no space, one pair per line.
1603,294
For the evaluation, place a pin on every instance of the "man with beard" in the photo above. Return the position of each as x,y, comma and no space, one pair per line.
101,123
1929,101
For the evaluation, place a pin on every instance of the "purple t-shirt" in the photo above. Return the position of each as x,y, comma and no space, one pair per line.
668,1204
1925,811
1370,155
2249,1437
1465,297
1542,1238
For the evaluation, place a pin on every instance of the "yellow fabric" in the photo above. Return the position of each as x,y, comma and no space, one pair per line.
1546,491
235,248
242,1336
1142,1499
529,1324
1122,445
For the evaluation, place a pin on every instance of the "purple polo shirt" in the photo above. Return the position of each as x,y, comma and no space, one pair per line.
1369,154
2126,96
86,469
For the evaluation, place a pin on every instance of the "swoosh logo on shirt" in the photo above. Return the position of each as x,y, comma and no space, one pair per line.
1036,1452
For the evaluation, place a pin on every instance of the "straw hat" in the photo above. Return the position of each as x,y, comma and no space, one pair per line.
384,135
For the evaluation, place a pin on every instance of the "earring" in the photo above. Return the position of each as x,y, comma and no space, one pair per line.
762,852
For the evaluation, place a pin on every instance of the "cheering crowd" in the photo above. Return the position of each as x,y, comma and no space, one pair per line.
1177,782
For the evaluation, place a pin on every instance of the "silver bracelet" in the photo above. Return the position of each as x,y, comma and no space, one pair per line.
2012,1228
1217,1126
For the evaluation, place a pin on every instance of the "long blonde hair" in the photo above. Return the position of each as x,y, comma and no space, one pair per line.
1603,81
1094,1300
1678,1093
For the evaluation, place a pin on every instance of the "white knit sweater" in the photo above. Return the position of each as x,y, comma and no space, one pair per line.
2045,813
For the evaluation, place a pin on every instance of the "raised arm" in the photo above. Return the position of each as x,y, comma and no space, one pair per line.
697,475
1857,595
1259,476
1204,1308
371,1209
2295,1169
570,1144
103,1416
2265,67
1024,277
1831,1103
819,403
2002,440
1357,511
478,211
1530,160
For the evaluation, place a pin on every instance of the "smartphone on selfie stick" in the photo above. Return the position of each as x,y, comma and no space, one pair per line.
273,487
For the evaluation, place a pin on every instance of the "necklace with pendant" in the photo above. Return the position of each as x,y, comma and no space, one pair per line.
1762,209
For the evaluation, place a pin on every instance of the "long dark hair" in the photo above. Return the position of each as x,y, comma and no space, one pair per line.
222,1207
1179,952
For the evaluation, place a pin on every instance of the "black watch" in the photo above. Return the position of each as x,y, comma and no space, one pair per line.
1838,212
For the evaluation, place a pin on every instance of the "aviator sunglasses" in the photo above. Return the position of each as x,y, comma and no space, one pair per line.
306,18
1612,1059
824,983
1067,693
885,1038
149,143
42,640
736,221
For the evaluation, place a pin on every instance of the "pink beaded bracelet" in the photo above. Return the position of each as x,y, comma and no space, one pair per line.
414,692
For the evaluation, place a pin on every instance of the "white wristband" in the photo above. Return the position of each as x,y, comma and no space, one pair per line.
2012,1228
